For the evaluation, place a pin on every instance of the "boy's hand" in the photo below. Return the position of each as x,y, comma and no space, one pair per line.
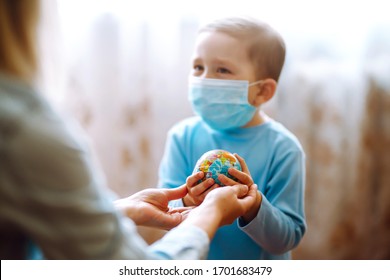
198,191
243,177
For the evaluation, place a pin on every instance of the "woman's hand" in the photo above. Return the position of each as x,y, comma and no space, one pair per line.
222,206
149,207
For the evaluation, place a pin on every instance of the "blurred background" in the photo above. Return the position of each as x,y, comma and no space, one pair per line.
120,68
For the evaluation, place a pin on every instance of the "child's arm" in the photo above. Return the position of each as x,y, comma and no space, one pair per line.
280,224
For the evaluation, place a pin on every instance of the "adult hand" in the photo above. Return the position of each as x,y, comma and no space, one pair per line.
149,207
222,206
232,201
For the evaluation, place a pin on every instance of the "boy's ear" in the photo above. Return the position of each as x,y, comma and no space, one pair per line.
266,90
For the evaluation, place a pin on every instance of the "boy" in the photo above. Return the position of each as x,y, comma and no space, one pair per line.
236,67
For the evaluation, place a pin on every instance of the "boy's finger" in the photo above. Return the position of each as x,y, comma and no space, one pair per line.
226,180
244,178
244,167
193,179
202,187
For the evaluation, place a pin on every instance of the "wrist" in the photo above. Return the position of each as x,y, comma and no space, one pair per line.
205,218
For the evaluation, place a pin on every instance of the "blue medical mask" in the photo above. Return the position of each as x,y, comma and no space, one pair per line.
222,104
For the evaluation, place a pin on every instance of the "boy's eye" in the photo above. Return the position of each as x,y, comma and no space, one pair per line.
198,68
223,70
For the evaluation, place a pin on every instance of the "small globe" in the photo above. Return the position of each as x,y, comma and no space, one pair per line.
216,162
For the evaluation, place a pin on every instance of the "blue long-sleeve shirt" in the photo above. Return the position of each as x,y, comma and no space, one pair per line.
276,162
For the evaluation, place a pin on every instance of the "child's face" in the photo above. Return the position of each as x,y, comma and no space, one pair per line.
220,56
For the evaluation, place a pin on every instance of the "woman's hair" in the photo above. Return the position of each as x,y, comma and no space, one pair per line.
266,48
18,28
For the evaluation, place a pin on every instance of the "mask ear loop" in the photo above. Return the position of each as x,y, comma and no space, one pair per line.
255,83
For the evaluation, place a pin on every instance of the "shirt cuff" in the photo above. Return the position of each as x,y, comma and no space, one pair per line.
252,228
183,242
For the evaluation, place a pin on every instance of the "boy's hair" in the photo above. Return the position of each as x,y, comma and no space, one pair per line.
266,48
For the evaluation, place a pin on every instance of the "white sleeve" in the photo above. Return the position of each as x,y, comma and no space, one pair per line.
62,202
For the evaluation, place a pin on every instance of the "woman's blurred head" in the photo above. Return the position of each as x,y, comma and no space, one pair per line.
18,33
